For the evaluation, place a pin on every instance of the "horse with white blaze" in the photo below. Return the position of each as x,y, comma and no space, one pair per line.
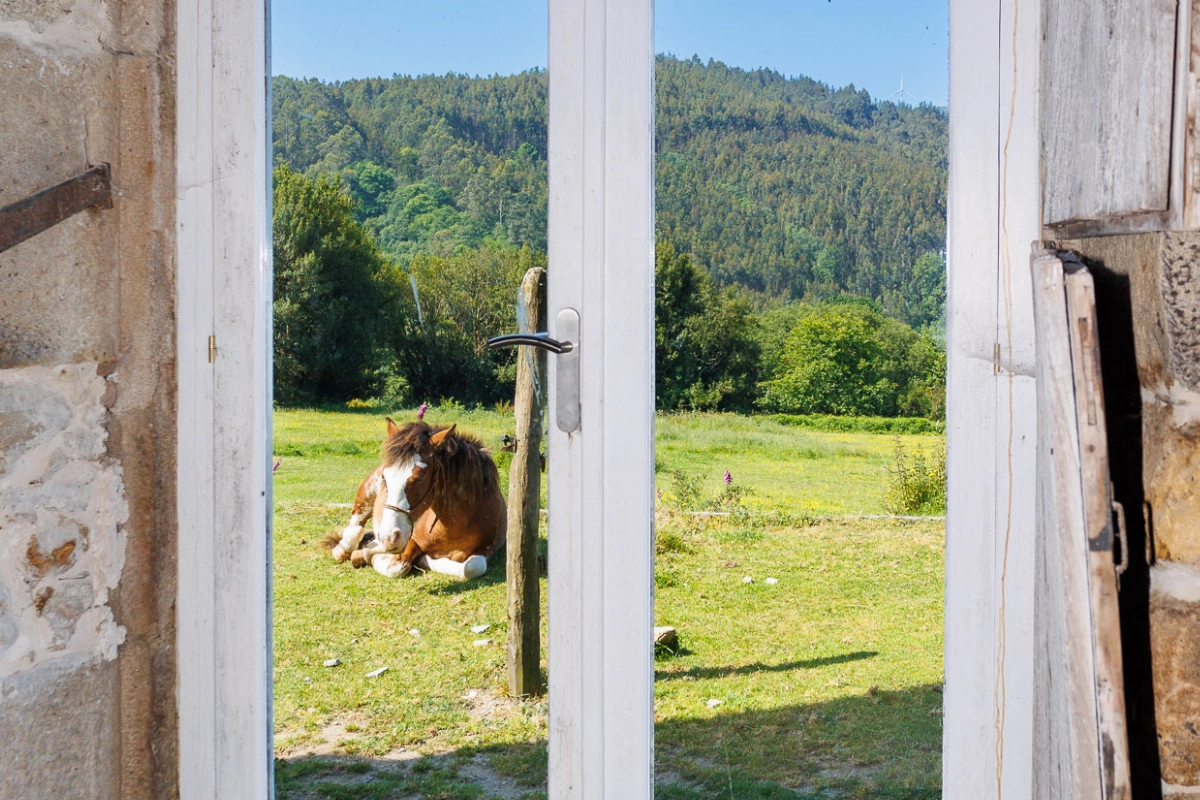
434,503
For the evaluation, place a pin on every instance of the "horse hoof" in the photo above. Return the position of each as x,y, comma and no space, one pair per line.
359,559
473,567
340,554
389,566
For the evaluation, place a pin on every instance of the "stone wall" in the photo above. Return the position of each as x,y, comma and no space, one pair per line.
87,399
1163,273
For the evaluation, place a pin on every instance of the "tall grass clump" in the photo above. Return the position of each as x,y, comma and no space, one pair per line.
916,481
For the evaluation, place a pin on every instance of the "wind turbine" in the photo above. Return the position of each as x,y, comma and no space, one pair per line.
902,91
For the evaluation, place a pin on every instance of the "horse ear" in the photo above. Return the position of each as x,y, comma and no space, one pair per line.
391,427
439,437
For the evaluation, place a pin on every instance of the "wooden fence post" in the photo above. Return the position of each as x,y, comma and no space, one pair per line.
524,490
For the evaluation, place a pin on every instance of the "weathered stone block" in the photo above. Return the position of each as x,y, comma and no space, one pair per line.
8,620
1171,458
39,14
49,710
1181,306
60,287
1175,649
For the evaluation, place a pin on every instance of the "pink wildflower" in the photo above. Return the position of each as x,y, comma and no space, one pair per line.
728,478
421,411
278,461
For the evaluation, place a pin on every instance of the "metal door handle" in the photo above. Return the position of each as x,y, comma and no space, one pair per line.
541,340
567,410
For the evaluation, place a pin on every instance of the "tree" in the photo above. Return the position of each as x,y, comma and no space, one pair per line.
369,185
844,357
338,317
705,354
833,363
467,298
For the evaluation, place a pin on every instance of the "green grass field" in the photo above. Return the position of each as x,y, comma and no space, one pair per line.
825,683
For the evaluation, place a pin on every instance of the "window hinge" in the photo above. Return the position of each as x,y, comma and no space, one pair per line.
212,349
996,358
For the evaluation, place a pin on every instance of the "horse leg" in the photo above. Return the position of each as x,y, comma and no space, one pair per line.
383,545
353,533
392,565
389,565
470,567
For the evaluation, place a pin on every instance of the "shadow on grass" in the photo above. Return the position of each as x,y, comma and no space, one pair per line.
748,669
883,745
493,576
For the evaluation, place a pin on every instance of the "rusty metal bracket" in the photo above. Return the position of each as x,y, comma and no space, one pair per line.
29,217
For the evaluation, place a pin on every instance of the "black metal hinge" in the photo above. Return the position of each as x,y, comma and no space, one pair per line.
29,217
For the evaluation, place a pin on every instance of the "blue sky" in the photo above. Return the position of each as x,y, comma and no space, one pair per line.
870,43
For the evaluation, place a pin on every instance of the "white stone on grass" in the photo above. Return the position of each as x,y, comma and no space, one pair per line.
375,673
331,662
747,579
713,703
772,581
666,636
482,642
479,628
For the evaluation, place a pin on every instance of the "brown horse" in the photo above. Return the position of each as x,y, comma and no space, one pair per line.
434,501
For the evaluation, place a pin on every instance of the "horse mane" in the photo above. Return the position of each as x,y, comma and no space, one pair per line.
463,462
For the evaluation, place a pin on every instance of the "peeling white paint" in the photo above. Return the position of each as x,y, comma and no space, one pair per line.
73,36
62,504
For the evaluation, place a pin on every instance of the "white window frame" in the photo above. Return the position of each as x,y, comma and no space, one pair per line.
601,736
223,262
601,234
993,218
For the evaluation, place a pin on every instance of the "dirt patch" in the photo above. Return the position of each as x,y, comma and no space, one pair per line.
488,706
329,741
848,773
480,773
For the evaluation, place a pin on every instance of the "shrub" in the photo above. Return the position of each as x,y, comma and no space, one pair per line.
686,488
846,358
917,483
832,424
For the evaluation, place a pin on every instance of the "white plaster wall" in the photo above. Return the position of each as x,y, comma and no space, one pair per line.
62,505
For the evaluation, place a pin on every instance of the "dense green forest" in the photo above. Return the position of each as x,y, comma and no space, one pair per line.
779,200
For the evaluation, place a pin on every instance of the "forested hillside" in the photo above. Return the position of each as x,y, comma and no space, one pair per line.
801,228
785,186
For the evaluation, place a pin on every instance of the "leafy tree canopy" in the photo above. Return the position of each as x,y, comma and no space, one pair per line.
706,356
846,358
338,316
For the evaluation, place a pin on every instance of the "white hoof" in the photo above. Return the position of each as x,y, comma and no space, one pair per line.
390,565
473,567
340,553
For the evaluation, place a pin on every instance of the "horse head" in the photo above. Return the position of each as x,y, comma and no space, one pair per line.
410,461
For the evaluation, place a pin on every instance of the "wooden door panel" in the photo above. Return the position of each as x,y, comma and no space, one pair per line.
1108,70
1081,748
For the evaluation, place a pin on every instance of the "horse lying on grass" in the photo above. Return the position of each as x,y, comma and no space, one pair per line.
434,502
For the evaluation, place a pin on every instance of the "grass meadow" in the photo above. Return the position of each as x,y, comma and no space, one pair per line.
824,682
